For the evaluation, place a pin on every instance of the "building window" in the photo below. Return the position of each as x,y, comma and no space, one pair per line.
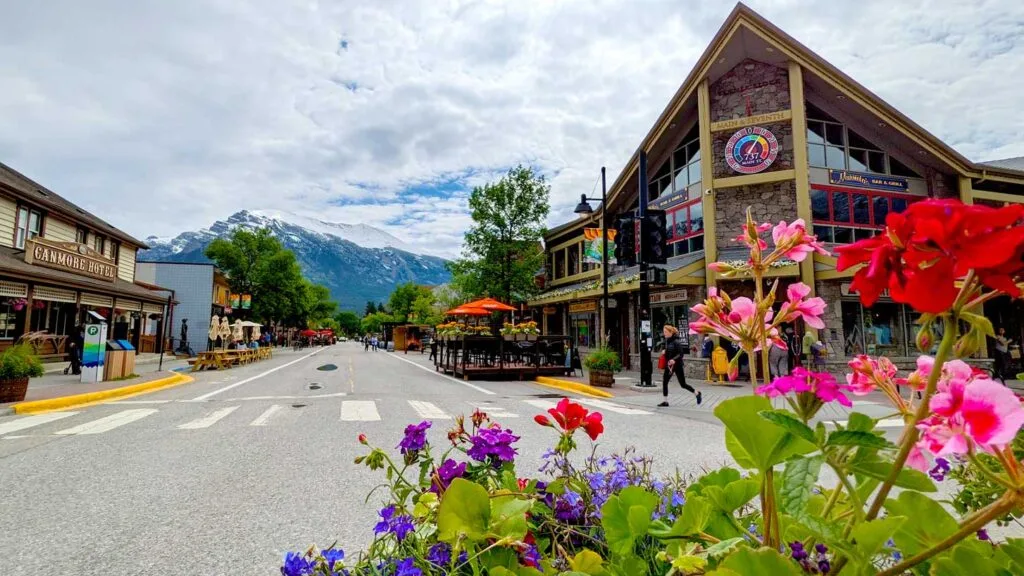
30,225
574,259
8,322
831,144
115,252
81,235
584,329
560,264
844,215
680,171
99,243
684,227
886,329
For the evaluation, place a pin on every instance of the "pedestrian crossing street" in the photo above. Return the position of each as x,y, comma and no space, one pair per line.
92,422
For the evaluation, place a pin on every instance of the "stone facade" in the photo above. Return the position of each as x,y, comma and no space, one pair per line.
831,292
770,203
750,88
941,185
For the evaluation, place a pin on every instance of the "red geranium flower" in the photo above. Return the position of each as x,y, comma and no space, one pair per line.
570,416
925,249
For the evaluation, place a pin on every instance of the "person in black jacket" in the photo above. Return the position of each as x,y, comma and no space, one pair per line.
674,350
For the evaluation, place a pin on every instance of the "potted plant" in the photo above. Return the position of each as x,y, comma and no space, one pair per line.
17,365
602,364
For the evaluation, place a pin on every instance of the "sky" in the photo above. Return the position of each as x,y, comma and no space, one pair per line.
162,117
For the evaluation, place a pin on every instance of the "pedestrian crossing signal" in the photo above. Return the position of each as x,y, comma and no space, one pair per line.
655,237
625,240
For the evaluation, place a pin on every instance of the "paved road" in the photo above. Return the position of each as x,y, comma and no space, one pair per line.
223,475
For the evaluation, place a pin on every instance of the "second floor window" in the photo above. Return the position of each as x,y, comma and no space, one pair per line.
679,171
831,144
684,226
99,243
115,252
843,215
81,235
30,225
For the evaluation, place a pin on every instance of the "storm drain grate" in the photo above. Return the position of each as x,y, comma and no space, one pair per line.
315,386
327,367
298,405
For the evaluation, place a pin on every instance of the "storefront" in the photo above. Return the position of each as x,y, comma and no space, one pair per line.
671,307
885,329
584,321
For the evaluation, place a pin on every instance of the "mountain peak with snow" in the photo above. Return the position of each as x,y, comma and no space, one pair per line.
359,234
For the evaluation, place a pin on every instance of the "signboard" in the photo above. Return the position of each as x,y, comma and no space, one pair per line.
734,123
94,352
669,296
549,310
751,150
593,244
669,200
236,300
70,257
581,307
862,180
844,288
246,301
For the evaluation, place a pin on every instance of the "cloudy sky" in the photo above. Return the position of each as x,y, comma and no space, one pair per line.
166,116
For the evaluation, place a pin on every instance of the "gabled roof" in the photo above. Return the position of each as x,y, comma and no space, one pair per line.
743,18
1016,163
22,186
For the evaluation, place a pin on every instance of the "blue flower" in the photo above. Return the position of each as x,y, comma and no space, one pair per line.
406,568
440,554
678,499
415,437
938,473
400,525
569,507
295,564
332,556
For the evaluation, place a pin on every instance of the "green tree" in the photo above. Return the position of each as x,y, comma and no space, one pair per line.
370,308
425,310
503,253
348,322
374,323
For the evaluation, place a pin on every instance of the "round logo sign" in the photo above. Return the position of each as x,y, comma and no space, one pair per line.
93,330
751,150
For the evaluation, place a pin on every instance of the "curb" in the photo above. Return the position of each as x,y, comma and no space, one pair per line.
76,400
572,386
645,389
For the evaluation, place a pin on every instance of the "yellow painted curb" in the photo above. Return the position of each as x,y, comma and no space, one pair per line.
77,400
572,386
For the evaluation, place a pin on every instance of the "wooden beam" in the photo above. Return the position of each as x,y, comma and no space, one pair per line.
800,162
997,196
753,179
707,171
966,193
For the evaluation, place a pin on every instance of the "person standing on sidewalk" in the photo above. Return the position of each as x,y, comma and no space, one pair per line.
674,350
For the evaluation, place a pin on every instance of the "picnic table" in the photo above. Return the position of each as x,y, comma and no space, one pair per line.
221,359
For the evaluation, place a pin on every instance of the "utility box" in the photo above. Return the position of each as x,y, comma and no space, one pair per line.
94,349
120,360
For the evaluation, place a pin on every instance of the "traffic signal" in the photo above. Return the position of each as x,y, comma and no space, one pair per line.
654,245
625,240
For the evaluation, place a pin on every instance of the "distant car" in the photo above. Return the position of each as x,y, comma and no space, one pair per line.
342,339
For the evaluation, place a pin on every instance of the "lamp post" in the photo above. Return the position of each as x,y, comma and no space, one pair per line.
583,209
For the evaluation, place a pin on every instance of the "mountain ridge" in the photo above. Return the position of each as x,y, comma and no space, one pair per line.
364,266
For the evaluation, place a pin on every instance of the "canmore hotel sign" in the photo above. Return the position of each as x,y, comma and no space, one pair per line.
70,257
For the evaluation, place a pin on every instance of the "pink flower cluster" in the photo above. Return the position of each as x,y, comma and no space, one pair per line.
970,411
870,374
736,319
821,384
793,241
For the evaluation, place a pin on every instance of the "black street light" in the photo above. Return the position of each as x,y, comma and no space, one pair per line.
583,209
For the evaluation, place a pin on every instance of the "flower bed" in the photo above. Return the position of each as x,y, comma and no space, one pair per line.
463,509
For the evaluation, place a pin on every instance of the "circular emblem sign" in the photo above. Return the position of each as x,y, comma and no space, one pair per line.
751,150
93,330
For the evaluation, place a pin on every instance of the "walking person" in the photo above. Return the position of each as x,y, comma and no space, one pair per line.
674,350
778,361
1002,353
366,343
794,346
373,343
75,343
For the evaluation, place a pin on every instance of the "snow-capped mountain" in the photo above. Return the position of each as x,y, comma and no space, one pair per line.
359,263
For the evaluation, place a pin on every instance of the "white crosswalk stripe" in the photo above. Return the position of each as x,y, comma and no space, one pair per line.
493,411
262,419
208,420
108,423
613,407
30,421
359,411
428,410
542,404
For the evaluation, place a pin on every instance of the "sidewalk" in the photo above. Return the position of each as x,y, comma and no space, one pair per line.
140,359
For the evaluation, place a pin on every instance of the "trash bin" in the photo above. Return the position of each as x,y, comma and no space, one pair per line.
120,360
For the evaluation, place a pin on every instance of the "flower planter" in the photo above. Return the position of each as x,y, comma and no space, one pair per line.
531,337
602,378
13,390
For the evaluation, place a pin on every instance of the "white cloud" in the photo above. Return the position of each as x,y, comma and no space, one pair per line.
194,109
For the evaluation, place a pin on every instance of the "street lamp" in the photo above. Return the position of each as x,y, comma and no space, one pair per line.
583,209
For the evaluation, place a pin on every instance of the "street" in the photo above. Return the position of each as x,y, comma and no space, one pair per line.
223,475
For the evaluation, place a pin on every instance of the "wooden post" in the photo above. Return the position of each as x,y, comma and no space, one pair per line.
28,309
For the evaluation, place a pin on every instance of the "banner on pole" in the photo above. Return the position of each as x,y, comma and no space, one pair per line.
592,246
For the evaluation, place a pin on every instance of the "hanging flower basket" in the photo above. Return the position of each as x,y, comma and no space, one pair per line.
39,304
18,304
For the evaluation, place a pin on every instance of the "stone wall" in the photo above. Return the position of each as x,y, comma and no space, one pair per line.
769,203
749,89
831,292
942,185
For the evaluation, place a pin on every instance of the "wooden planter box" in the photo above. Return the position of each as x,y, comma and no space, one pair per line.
602,378
13,390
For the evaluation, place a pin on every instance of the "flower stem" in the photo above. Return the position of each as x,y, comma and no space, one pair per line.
988,473
991,512
832,499
910,433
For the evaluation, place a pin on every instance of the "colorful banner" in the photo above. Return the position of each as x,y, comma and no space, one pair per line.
861,180
593,245
246,301
235,300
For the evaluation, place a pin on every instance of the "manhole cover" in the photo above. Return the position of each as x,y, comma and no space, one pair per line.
315,386
327,368
298,405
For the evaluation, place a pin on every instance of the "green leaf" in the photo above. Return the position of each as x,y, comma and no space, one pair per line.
724,547
587,562
626,517
798,478
857,438
871,536
721,477
754,439
785,420
508,517
733,496
967,559
929,522
860,422
465,511
692,519
689,564
1014,549
762,562
907,478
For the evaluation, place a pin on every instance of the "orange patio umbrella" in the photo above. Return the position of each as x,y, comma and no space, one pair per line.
490,304
467,310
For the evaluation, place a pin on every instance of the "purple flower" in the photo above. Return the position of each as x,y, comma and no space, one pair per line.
295,564
821,548
569,507
331,557
448,471
824,566
406,568
493,442
983,535
530,556
938,473
440,554
399,525
798,552
415,437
